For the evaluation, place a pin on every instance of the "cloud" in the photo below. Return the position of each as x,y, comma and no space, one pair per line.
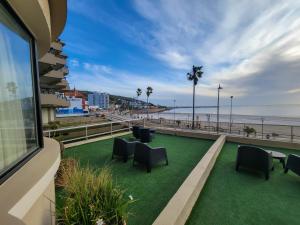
74,62
96,69
97,77
293,91
251,47
236,41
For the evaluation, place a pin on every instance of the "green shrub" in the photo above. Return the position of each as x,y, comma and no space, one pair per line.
249,130
91,195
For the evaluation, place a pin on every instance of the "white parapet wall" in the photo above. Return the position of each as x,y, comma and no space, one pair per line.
181,204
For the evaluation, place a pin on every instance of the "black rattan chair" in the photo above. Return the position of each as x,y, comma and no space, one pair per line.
136,131
146,135
123,148
293,164
254,158
148,156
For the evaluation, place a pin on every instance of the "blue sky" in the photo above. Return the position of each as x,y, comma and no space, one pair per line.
251,47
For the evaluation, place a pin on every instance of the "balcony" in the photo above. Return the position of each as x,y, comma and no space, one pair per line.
62,84
57,46
65,70
199,181
54,76
54,100
51,62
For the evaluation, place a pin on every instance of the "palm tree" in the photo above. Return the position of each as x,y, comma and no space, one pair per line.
194,76
148,93
138,93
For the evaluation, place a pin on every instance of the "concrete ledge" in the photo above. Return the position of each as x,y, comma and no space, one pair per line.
28,196
95,139
265,143
181,204
187,133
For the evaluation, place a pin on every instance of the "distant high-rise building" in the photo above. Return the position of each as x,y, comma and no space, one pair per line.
99,99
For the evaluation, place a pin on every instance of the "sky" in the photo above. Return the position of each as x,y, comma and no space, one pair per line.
252,48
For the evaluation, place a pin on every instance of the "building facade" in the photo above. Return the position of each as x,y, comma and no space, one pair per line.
99,99
53,72
28,162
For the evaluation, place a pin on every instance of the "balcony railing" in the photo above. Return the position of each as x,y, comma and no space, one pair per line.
85,132
49,99
285,133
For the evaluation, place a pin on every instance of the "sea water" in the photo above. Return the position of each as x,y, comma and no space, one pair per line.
268,114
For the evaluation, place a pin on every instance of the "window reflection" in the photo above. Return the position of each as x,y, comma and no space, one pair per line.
18,133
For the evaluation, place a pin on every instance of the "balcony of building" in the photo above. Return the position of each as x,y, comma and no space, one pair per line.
57,46
54,100
61,85
51,62
52,77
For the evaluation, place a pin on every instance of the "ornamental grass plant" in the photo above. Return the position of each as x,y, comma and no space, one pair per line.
92,197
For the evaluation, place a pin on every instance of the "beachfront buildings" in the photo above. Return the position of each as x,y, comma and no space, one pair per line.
100,100
28,162
78,105
53,72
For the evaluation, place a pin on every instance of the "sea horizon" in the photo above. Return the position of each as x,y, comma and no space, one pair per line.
271,114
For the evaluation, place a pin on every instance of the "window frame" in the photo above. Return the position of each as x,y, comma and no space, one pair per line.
14,167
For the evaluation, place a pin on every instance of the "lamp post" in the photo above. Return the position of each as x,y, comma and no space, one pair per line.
208,120
230,117
174,101
218,107
262,127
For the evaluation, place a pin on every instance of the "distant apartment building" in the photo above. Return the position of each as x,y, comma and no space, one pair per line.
53,70
99,99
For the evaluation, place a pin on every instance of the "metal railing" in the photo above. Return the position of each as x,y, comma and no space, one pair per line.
286,133
69,134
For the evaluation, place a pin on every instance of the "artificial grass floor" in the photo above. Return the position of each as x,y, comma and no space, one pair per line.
235,198
151,190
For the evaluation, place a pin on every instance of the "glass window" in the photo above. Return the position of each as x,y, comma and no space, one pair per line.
18,128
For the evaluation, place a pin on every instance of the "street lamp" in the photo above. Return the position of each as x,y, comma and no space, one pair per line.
218,107
230,117
262,127
174,109
208,120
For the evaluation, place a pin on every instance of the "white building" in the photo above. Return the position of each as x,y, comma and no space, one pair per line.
99,99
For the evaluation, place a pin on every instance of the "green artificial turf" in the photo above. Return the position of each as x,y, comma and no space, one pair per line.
151,190
235,198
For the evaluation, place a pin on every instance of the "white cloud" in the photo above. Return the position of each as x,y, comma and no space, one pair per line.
239,43
234,40
74,62
293,91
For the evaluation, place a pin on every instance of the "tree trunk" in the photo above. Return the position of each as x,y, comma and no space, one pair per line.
193,122
147,108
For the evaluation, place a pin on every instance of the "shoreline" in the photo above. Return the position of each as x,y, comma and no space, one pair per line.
150,111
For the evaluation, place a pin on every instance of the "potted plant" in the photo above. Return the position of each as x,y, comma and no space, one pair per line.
92,198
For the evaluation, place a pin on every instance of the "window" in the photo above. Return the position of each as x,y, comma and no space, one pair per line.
18,117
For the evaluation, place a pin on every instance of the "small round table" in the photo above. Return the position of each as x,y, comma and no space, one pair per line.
278,155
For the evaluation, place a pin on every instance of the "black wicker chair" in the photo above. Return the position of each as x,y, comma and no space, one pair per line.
146,135
254,158
148,156
293,164
136,131
123,148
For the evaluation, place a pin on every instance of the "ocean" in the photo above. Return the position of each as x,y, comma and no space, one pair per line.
270,114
